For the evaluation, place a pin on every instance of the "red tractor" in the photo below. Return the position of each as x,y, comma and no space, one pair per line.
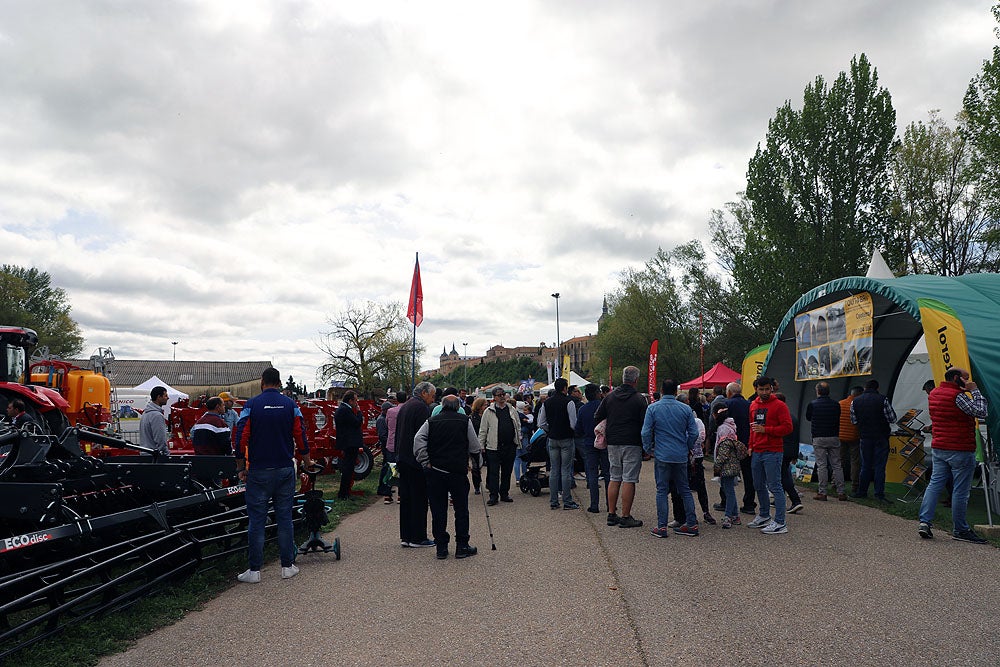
55,393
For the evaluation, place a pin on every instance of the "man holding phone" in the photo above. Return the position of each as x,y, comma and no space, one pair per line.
770,422
954,407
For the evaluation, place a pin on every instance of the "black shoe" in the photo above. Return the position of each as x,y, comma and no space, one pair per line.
593,510
752,511
465,552
441,555
883,500
507,499
925,531
492,501
613,519
719,507
629,522
968,536
423,543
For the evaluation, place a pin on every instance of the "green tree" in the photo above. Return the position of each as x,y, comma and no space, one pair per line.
511,371
28,299
942,225
364,344
982,109
674,298
817,196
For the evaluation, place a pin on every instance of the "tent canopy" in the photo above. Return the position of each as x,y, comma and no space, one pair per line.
717,375
897,329
154,381
573,379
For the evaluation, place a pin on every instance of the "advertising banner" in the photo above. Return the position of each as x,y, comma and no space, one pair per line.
652,367
565,367
753,365
835,340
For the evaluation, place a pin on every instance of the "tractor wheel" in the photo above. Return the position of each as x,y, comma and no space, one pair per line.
56,422
364,463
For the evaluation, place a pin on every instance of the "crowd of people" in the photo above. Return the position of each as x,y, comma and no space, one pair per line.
435,437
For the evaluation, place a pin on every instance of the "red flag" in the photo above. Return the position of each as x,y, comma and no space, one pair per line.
652,367
415,311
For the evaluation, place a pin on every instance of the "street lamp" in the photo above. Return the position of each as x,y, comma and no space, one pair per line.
558,339
174,343
465,382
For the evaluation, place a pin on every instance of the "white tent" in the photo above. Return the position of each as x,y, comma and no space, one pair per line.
137,397
573,379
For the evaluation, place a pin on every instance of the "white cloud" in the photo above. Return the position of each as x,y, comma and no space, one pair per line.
227,174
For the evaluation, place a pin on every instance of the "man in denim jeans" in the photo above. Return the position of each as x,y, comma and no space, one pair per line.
268,430
770,422
953,449
670,431
558,419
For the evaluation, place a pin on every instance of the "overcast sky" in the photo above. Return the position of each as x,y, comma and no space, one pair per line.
228,174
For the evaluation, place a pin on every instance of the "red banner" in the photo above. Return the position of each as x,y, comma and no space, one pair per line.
415,311
652,367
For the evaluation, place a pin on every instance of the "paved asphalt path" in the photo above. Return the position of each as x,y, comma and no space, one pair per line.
848,585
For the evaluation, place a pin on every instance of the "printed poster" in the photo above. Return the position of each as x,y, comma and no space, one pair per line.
835,340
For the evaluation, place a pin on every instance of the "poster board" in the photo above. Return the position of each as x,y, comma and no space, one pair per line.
835,340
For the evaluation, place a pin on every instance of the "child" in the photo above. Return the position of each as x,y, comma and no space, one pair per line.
729,451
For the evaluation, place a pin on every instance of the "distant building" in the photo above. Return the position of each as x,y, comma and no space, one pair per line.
194,378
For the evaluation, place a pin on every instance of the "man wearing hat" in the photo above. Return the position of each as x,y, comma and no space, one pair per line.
229,416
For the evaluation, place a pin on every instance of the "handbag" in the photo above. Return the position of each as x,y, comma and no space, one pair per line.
599,435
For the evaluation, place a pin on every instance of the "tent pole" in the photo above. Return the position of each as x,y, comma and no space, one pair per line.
986,492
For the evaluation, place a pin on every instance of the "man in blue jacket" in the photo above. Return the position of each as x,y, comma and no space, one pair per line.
267,433
669,432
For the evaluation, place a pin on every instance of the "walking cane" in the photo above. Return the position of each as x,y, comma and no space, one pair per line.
493,544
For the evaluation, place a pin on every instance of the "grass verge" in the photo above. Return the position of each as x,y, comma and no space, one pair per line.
86,642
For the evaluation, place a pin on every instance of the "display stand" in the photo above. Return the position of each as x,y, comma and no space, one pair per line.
912,453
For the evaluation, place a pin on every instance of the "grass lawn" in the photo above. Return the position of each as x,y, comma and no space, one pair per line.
87,641
976,513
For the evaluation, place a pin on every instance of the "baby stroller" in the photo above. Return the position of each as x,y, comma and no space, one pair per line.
536,457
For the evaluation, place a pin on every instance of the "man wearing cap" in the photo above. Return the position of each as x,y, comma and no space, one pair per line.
229,415
500,435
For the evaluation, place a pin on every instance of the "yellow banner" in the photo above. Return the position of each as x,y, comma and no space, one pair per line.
945,337
565,366
835,340
753,365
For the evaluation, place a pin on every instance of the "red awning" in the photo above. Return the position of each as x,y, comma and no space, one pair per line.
717,375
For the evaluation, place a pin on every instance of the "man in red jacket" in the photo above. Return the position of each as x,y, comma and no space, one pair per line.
953,449
770,422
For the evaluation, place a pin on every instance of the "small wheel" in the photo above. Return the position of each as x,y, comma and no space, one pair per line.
523,484
536,488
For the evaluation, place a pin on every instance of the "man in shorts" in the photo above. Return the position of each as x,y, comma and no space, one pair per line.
624,409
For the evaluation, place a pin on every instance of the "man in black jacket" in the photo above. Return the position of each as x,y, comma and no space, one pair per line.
412,485
873,414
823,414
558,419
442,447
625,410
739,410
348,420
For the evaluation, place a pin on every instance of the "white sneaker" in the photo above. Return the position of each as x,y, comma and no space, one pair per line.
288,572
759,522
774,528
249,577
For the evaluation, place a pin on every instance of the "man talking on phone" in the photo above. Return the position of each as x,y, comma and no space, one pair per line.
954,407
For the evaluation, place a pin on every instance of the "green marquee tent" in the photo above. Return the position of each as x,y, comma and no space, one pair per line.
896,329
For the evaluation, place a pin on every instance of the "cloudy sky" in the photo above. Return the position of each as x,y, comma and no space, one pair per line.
228,174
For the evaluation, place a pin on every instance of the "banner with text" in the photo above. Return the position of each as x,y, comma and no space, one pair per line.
835,340
653,349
